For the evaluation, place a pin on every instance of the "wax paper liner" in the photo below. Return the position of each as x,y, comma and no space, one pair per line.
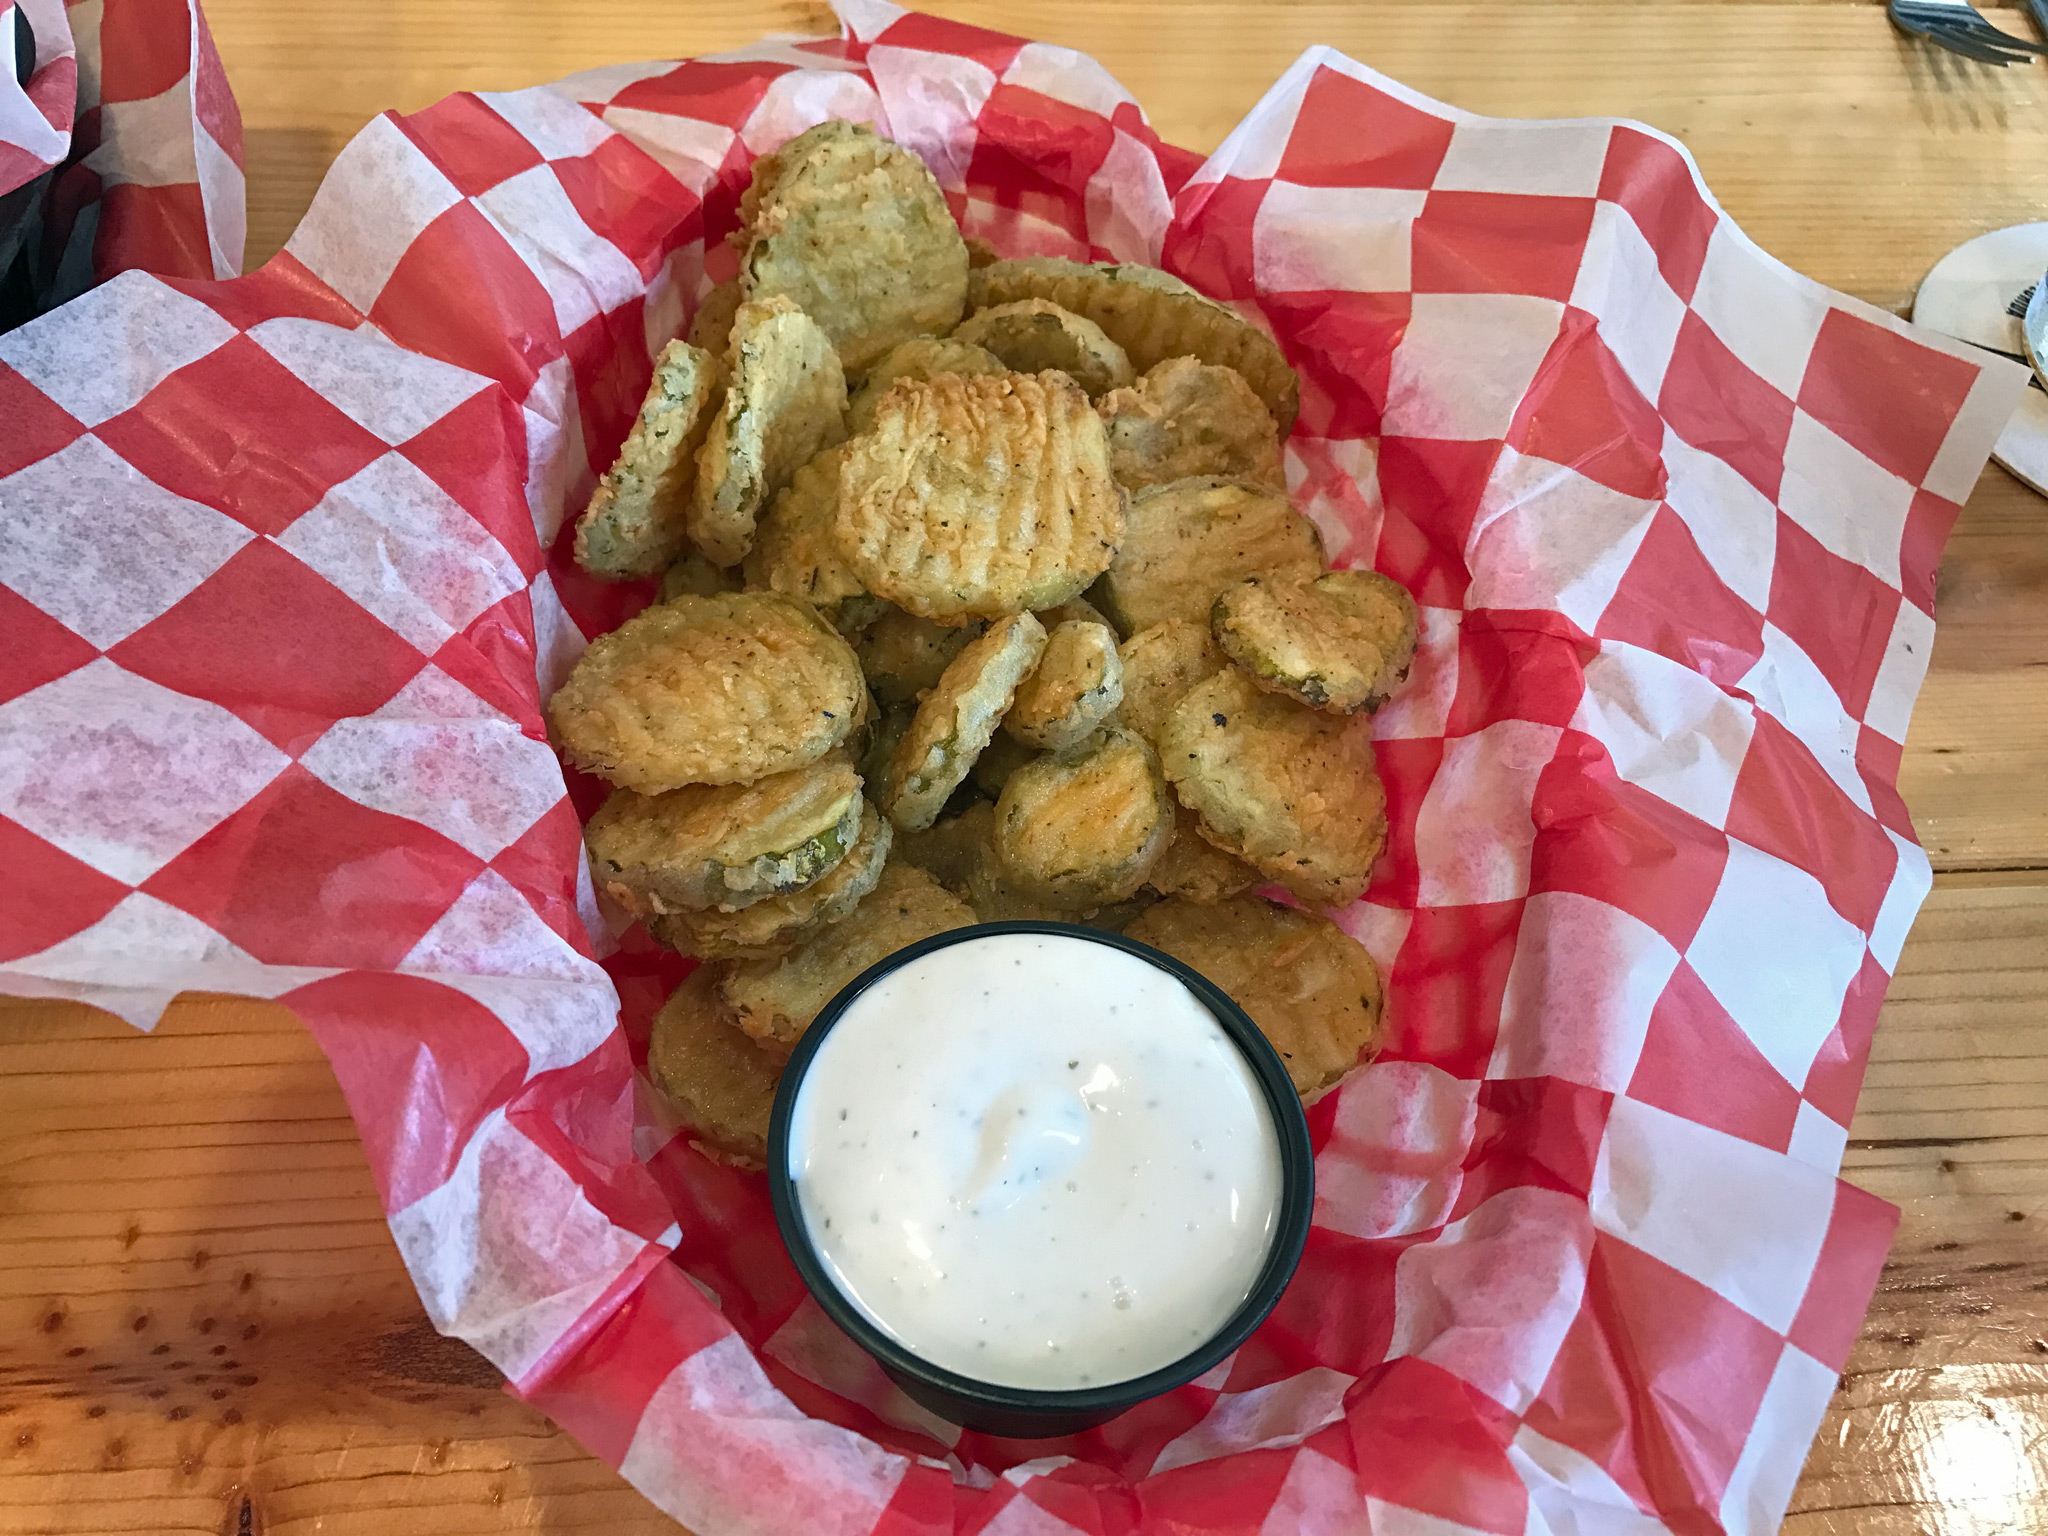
280,614
124,149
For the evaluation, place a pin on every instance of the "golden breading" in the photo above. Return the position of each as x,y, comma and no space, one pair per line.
958,717
720,1081
1151,316
634,525
1187,540
777,999
711,326
1162,663
694,576
980,497
784,403
1310,987
1292,792
1082,828
773,924
794,552
854,230
1077,685
1187,417
1003,756
1034,334
980,253
1196,869
922,357
903,655
1342,642
1072,608
724,845
709,690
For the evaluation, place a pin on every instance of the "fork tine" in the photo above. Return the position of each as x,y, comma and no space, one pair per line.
1964,43
1945,19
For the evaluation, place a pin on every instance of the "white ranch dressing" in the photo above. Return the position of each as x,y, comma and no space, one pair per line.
1037,1161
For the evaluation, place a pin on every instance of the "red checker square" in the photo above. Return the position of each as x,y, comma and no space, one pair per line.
1786,805
1343,344
727,1239
144,49
1338,1311
1528,667
705,91
213,103
1582,409
1499,242
1889,397
600,1392
1533,1133
50,895
1176,165
494,659
645,975
598,607
1718,404
1851,1258
1431,491
1652,181
477,454
1131,1445
922,1505
1035,153
1209,242
470,144
542,865
504,328
267,638
1658,1381
1617,843
152,229
283,287
237,431
420,1064
1350,134
38,648
1837,611
1444,997
1836,1076
1929,521
303,875
1455,1446
37,426
1407,767
625,196
1697,1062
933,34
581,1117
1672,601
1877,761
1234,1493
608,358
721,203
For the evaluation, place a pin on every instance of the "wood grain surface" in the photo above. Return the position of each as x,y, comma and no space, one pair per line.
204,1326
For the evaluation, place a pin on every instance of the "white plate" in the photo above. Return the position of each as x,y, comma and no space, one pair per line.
1965,297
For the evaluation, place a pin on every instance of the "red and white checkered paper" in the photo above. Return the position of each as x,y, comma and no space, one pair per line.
281,612
128,103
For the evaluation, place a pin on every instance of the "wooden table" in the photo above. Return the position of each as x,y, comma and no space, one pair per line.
203,1323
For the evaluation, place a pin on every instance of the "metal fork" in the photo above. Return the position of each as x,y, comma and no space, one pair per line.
1962,29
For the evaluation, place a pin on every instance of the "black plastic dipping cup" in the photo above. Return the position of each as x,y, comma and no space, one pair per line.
1026,1412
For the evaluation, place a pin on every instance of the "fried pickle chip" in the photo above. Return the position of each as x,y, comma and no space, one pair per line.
1186,540
922,357
1195,869
711,326
1072,608
853,229
903,655
1160,664
1151,316
1003,756
1082,828
777,999
1077,685
951,848
890,726
694,576
1033,335
1310,987
709,690
720,1081
1187,417
634,525
1342,642
775,923
784,402
979,497
958,717
725,845
1292,792
794,552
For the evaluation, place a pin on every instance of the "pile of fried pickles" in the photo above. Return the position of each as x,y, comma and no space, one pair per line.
981,598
